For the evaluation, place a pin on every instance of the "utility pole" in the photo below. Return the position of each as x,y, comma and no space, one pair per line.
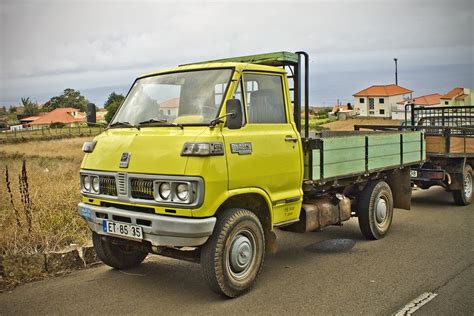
396,72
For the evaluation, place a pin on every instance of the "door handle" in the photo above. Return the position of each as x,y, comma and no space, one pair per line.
290,138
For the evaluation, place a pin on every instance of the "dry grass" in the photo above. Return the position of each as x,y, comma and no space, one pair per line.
68,149
348,125
53,188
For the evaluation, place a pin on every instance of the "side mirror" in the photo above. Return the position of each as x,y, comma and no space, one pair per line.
234,113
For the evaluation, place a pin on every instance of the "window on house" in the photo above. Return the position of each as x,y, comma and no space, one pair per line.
382,111
381,100
371,112
361,100
446,102
371,103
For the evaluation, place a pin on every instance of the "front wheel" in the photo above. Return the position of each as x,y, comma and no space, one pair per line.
464,196
117,256
232,258
375,210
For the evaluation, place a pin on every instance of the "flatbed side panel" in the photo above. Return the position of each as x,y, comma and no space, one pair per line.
384,151
345,156
461,144
435,144
341,156
412,147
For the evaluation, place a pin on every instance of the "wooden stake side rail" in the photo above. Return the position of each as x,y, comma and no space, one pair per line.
343,155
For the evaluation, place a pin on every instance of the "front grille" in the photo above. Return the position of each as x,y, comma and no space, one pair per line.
107,186
141,189
122,183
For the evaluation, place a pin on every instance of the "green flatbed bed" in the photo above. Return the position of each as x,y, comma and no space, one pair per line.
331,156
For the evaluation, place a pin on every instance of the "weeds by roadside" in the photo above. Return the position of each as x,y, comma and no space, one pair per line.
38,197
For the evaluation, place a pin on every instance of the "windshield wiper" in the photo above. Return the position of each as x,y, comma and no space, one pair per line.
160,122
128,124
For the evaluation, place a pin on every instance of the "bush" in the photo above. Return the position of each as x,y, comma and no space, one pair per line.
57,125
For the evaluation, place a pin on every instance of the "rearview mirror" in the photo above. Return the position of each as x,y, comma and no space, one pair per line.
234,113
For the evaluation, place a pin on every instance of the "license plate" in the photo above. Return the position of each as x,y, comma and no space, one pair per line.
413,173
122,229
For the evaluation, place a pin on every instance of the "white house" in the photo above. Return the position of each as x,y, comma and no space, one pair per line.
424,100
169,107
458,96
379,100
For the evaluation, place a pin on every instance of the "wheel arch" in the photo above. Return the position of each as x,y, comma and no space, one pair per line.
258,202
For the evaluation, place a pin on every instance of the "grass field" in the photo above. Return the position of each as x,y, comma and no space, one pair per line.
50,222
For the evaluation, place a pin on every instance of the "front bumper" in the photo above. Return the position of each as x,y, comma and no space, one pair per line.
159,230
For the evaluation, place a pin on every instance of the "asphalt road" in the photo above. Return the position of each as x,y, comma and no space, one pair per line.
429,249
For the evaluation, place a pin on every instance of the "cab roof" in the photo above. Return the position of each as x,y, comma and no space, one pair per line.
261,62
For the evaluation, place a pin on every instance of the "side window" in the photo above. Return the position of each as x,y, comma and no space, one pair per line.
264,96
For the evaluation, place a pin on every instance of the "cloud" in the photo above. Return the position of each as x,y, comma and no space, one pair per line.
49,45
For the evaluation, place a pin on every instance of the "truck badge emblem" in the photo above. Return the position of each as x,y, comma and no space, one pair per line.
124,160
241,148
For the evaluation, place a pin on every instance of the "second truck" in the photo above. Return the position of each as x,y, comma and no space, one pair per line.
204,161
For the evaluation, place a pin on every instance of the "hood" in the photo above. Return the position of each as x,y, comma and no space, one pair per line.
153,150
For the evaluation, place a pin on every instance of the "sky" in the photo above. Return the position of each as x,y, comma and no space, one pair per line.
101,46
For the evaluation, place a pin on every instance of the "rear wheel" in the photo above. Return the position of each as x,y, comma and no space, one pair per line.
117,256
464,196
232,258
375,210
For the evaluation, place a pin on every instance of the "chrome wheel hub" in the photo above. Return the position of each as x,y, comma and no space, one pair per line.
381,210
241,253
467,185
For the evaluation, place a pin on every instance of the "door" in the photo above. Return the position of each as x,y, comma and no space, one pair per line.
266,152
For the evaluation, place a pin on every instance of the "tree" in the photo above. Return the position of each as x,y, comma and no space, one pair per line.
30,107
69,99
112,104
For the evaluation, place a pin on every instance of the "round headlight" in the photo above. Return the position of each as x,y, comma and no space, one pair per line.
164,190
182,191
87,183
95,184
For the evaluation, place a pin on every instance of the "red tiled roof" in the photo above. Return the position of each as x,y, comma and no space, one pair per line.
170,104
461,97
62,115
451,94
29,119
382,91
429,99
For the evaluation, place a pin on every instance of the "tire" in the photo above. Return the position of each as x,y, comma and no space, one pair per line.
375,210
118,257
464,196
232,258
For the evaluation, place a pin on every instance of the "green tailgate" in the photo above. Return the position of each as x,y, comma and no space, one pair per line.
343,154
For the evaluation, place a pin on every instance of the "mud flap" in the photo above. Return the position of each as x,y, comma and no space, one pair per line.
400,184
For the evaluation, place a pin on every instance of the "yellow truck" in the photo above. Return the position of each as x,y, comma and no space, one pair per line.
204,161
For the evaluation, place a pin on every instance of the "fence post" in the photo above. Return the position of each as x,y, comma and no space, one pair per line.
79,129
42,130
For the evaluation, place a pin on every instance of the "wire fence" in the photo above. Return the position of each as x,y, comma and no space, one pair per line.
48,132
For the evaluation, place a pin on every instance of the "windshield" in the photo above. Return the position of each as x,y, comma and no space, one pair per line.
192,97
